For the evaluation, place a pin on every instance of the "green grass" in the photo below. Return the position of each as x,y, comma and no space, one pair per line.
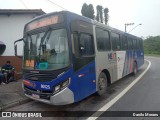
154,55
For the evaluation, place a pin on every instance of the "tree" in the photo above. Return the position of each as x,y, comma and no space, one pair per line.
88,10
106,17
101,13
98,13
99,16
84,10
91,11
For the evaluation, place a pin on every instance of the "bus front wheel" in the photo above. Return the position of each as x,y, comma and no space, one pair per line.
102,84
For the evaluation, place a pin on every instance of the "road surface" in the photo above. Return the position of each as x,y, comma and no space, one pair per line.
144,96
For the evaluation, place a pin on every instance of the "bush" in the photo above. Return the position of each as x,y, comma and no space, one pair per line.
152,45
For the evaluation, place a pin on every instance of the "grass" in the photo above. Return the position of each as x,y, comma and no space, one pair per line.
154,55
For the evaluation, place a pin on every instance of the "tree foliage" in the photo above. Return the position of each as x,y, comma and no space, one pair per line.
102,14
152,45
88,10
100,17
84,10
106,16
98,13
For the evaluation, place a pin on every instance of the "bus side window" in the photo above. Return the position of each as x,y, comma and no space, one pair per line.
140,44
124,43
75,44
86,47
130,43
82,45
102,38
116,43
135,44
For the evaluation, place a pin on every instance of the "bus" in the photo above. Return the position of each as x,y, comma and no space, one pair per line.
68,57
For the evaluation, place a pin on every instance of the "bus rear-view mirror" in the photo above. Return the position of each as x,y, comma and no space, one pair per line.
18,47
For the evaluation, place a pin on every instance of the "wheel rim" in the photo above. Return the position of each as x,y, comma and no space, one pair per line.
101,83
135,69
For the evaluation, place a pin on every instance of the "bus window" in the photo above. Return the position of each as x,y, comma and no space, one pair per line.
124,43
86,47
116,43
140,44
75,44
130,44
135,44
102,38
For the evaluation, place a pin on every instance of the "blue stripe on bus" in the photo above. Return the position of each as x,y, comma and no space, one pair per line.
130,57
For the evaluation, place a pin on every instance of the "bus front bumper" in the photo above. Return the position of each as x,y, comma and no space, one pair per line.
63,97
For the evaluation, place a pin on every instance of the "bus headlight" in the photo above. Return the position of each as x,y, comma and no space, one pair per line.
65,83
61,86
57,88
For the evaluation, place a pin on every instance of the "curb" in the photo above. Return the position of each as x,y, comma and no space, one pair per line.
13,104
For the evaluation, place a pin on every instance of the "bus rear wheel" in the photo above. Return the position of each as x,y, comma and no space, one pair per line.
102,84
134,68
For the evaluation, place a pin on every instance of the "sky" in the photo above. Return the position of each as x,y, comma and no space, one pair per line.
144,12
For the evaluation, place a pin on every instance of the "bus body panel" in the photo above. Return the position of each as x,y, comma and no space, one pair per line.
120,55
129,61
86,81
139,56
101,65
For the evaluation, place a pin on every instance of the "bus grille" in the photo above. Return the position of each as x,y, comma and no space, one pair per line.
39,76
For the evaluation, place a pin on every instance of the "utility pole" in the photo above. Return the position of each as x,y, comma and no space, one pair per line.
127,24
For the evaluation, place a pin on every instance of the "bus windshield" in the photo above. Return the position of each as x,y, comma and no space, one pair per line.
47,50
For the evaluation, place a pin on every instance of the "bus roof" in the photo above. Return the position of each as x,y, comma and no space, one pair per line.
74,16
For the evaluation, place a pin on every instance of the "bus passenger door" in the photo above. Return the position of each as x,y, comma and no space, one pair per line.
83,58
84,64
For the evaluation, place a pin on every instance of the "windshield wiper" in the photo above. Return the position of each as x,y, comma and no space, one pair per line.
42,40
44,36
30,47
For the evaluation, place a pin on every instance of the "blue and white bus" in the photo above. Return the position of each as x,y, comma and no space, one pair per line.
68,57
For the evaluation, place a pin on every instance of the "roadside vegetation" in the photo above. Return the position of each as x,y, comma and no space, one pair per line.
152,46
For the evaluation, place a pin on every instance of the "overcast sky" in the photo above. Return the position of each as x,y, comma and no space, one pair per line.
145,12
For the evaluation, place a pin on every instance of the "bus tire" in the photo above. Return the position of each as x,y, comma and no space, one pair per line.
134,68
102,84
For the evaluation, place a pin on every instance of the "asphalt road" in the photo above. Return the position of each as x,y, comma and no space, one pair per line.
143,96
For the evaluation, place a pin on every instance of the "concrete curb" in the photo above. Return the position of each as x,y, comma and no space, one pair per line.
16,103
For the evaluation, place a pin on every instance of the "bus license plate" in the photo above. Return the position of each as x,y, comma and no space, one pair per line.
35,96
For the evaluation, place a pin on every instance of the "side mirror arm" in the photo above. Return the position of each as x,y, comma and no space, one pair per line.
15,45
